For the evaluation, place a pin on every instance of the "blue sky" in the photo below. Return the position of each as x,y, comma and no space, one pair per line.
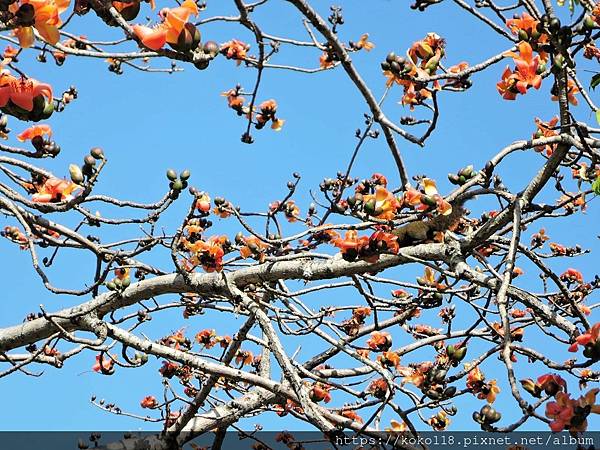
147,123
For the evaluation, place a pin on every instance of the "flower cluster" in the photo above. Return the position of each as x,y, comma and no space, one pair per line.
366,248
41,15
235,50
477,384
590,340
424,57
267,111
352,325
427,200
174,29
526,74
571,414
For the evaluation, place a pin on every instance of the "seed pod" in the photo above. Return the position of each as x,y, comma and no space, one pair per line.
369,207
185,175
76,174
453,178
588,22
450,391
211,48
89,160
523,36
97,153
178,185
126,282
428,200
171,175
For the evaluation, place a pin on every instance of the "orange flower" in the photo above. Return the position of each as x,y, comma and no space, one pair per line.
552,383
350,414
170,30
326,61
572,90
524,76
22,92
396,427
153,38
378,388
382,205
176,18
380,341
235,50
320,392
253,247
55,190
46,20
244,357
363,43
570,414
206,338
149,402
591,337
572,276
104,364
389,359
525,23
546,129
36,130
440,421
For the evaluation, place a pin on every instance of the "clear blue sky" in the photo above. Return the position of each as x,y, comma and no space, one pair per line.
149,122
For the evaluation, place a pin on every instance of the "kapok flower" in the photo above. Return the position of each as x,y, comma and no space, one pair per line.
524,76
572,276
253,247
36,130
235,50
153,38
525,23
173,25
149,402
389,359
363,43
572,91
209,254
382,204
55,190
320,393
244,357
267,111
478,386
546,129
380,341
352,415
396,427
440,421
22,92
590,337
45,17
570,414
378,388
206,338
552,383
104,364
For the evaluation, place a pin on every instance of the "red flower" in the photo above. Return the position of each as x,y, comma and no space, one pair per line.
22,92
591,337
572,276
104,364
380,341
149,402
